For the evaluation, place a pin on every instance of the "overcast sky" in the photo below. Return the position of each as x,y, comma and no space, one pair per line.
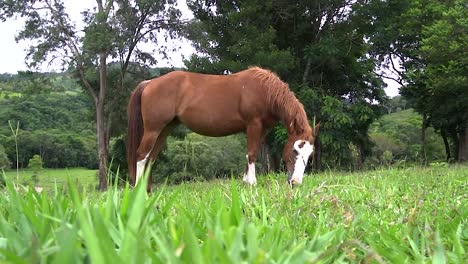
13,54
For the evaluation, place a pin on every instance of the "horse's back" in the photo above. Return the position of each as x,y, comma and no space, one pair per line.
213,105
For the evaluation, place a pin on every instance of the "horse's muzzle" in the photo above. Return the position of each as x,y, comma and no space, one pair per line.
290,173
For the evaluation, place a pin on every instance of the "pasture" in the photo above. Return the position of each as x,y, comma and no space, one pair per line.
49,178
412,215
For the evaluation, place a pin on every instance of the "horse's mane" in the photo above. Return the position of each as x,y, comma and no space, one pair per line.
281,99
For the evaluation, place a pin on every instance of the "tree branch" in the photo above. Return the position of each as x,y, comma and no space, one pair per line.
134,42
398,80
70,43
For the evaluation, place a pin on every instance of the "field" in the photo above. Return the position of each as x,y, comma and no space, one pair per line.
414,215
48,178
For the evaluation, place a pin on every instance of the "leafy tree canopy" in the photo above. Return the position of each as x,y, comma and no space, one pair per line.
316,46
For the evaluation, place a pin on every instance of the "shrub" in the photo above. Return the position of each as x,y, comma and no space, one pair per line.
118,157
4,161
197,157
35,164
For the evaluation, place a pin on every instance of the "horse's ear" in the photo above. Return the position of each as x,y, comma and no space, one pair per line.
297,127
316,129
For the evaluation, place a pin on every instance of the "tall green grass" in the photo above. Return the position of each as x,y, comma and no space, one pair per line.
386,216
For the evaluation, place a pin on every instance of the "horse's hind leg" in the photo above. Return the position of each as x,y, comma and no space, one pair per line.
158,147
150,146
144,150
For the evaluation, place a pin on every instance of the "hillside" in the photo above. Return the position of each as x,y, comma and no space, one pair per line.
397,137
55,120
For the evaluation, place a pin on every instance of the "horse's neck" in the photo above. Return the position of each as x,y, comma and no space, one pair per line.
289,124
287,108
298,126
283,113
290,119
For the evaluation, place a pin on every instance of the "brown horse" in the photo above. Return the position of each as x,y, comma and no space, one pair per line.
251,101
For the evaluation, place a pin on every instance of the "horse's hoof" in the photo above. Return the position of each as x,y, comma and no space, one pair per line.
250,182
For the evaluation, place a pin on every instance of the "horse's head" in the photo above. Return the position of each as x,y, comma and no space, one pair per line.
297,151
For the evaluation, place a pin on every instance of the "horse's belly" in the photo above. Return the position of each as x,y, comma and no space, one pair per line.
212,123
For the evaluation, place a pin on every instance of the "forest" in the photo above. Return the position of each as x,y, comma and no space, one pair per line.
333,54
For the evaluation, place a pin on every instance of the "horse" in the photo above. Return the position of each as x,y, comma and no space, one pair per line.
250,101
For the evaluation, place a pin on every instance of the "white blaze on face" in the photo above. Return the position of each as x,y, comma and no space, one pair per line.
303,149
140,168
249,177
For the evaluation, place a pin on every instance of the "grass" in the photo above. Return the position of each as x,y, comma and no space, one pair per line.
48,178
415,215
10,94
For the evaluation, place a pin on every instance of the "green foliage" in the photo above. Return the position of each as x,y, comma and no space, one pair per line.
384,216
197,157
443,47
55,121
58,149
118,157
188,156
399,134
4,161
396,104
235,36
315,46
58,110
112,32
35,164
428,39
387,157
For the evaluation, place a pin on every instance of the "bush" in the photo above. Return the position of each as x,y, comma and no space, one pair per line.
35,164
118,157
4,161
193,157
198,158
60,150
387,157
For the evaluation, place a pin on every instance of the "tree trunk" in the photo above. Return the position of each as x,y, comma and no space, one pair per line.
317,155
463,144
272,164
423,139
267,159
360,158
100,124
443,133
454,136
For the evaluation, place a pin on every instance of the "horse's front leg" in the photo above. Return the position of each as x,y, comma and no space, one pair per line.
255,136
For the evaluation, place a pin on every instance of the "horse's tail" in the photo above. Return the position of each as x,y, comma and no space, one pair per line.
134,130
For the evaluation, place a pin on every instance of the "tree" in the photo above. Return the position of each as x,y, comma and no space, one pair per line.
35,164
427,38
399,133
113,31
55,121
315,46
396,104
443,47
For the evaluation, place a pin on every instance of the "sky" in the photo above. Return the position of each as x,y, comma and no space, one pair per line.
13,54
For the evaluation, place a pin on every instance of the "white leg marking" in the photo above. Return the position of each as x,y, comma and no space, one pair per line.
249,177
304,149
141,168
